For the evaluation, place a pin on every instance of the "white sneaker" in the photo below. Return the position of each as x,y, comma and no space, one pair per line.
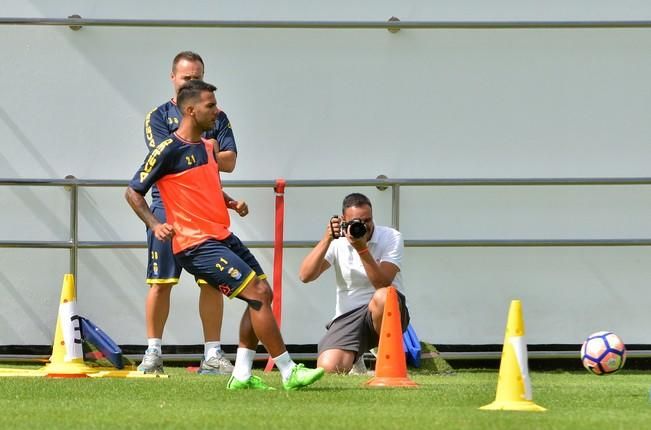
359,368
216,365
152,362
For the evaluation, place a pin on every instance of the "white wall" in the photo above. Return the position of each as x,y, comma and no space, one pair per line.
334,104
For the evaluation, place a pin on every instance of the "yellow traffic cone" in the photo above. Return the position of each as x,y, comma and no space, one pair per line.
67,360
513,385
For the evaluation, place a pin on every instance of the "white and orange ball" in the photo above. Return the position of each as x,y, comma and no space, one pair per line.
603,353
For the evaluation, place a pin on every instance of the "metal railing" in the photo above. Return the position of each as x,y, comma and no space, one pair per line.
74,244
393,24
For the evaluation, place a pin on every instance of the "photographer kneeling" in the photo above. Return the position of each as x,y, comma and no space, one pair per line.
367,258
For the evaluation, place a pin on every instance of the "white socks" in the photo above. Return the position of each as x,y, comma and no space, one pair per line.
210,349
285,364
155,343
243,364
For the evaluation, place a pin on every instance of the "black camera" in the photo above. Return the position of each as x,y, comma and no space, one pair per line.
355,227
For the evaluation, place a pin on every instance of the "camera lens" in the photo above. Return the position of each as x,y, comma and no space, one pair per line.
357,229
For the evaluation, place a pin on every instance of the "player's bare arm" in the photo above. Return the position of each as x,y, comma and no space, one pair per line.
162,231
225,159
238,206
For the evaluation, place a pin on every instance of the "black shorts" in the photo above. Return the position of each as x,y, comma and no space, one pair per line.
163,267
353,331
224,264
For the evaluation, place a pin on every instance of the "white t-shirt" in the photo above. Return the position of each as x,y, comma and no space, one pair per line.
353,287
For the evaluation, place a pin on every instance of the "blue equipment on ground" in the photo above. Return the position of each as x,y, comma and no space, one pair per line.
96,336
411,345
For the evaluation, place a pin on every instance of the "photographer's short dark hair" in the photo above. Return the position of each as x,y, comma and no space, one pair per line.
191,91
355,200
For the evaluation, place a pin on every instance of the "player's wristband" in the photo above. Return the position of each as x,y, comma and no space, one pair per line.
362,251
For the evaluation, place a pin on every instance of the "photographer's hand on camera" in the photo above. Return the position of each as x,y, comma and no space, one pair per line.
333,231
356,232
359,243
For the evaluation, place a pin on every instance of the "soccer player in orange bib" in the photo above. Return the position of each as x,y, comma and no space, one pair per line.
186,173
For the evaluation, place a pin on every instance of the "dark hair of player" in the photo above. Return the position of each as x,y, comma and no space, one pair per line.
191,91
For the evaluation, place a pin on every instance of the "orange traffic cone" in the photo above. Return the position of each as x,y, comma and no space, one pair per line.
391,365
67,360
513,385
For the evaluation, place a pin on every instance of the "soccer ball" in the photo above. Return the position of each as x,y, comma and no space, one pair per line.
603,353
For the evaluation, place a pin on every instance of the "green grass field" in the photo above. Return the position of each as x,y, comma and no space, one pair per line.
575,400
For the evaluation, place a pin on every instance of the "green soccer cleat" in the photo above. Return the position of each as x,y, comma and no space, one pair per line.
302,377
253,383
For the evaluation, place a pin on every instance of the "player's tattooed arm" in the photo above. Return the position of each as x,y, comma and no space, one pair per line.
162,231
